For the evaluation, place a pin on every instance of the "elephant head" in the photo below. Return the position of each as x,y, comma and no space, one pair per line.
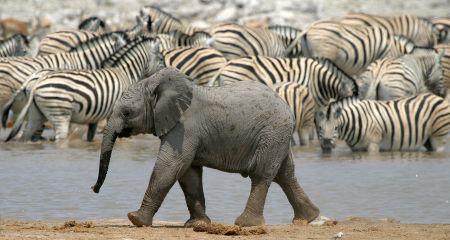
153,105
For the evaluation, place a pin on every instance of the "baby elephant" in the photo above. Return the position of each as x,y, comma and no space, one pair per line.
241,128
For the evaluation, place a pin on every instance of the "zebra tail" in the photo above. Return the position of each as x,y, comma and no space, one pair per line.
8,105
21,118
214,79
291,46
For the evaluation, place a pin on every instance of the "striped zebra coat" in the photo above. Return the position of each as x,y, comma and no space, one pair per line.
352,48
89,55
302,105
177,39
323,79
84,96
409,75
64,41
419,30
160,21
398,125
445,62
199,63
16,45
235,41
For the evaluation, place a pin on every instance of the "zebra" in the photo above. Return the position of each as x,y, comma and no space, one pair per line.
419,30
235,41
64,41
396,125
93,24
85,96
444,49
322,77
89,55
160,21
68,40
409,75
302,105
199,63
176,39
16,45
288,34
352,48
442,26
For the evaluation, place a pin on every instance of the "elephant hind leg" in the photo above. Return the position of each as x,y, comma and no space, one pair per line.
304,208
192,186
253,213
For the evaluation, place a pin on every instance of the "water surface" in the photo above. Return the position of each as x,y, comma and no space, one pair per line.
52,181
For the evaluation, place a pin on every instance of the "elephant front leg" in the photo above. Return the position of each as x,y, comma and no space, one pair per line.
192,186
169,167
253,213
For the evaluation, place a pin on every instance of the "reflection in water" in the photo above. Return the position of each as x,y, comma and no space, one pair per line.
52,181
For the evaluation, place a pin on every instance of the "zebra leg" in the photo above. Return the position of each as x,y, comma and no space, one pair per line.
304,208
304,135
91,132
373,148
436,143
34,124
192,186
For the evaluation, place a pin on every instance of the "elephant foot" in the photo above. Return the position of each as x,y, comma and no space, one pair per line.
248,220
199,220
139,218
308,215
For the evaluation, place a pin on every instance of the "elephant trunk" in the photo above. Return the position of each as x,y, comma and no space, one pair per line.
109,139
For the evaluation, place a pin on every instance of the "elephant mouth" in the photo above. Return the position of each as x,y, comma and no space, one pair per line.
127,132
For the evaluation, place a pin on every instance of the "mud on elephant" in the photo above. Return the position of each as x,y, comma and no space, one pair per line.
241,128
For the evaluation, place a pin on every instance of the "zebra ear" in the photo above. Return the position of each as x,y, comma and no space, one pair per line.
171,98
338,112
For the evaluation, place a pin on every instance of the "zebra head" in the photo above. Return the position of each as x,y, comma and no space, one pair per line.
327,122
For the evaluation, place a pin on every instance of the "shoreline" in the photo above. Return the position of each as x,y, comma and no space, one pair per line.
351,228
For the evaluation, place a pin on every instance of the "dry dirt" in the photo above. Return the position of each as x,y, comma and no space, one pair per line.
353,228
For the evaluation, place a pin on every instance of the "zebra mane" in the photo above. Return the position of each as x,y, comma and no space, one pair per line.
125,50
333,67
83,24
14,38
341,103
94,41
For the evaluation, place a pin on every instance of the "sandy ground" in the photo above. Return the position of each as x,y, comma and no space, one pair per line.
353,228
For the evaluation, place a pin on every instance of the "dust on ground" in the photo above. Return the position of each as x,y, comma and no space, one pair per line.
352,228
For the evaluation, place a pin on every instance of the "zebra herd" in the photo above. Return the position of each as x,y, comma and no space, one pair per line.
377,82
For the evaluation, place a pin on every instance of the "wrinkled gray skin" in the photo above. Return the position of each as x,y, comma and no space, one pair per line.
242,128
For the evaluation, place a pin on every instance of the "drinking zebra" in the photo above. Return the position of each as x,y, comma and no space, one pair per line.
400,125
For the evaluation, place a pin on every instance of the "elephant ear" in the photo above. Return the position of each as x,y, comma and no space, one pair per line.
172,96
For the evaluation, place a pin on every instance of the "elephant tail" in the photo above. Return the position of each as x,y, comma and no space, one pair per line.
21,118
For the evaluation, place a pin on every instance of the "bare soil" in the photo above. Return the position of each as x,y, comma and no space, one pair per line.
352,228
